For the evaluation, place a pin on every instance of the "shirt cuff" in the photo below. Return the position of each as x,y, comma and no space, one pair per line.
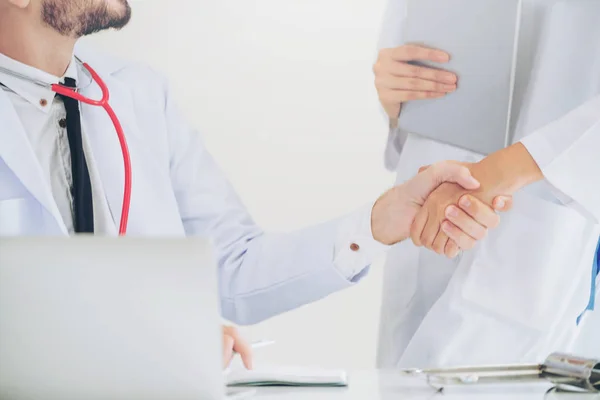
355,247
543,153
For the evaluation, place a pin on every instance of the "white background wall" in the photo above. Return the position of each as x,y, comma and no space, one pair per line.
283,91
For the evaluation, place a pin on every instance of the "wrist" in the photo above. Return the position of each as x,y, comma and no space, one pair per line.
378,226
506,171
390,218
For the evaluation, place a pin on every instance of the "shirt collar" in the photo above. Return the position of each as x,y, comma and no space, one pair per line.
39,97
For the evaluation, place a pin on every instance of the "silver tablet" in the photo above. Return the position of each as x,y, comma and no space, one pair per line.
482,38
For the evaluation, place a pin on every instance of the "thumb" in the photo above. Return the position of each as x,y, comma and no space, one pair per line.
502,203
454,173
420,187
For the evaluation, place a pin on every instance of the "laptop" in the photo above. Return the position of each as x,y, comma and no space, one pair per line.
109,319
481,37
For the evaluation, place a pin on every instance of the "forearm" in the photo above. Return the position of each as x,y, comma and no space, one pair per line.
277,272
505,172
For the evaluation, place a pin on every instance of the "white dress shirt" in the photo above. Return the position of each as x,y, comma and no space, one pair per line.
42,115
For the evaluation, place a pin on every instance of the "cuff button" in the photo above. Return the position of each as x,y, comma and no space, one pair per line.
354,247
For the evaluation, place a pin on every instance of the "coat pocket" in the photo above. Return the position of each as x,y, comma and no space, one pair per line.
529,268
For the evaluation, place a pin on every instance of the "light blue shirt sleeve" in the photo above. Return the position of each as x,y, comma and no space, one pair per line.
262,274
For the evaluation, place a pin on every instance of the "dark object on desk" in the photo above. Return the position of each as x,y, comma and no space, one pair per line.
562,370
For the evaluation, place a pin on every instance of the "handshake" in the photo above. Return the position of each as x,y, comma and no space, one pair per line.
447,207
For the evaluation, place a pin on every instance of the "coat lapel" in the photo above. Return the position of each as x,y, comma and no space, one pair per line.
18,155
153,207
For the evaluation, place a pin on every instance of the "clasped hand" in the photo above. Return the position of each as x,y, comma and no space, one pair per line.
454,218
443,208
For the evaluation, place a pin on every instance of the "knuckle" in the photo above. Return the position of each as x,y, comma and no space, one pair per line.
414,83
413,71
429,86
412,96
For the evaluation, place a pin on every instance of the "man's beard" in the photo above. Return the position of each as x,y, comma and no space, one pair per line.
77,18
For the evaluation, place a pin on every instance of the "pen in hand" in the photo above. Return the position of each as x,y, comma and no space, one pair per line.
262,343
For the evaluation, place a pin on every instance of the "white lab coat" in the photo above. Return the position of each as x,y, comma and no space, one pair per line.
517,296
177,190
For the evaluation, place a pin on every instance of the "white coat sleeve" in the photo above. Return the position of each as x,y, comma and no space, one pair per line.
391,36
261,274
568,153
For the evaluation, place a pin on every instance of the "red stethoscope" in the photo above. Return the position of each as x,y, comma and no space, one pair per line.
103,102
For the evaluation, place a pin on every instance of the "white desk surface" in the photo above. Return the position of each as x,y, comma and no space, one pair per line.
372,385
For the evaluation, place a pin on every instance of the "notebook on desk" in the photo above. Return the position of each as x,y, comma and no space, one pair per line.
481,37
271,375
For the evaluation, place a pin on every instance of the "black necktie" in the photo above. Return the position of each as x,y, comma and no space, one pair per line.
83,210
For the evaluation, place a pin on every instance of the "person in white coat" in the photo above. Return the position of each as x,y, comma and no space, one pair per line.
61,171
528,288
